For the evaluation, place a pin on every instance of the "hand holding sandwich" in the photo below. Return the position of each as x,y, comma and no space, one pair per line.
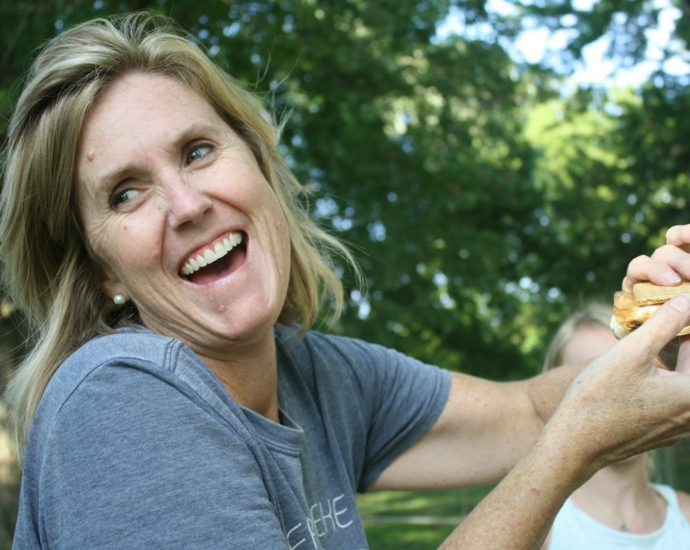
618,406
627,395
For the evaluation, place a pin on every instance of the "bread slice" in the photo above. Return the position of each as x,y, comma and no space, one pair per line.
631,310
648,293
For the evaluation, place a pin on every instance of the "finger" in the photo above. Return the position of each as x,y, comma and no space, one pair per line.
644,268
679,235
676,258
663,325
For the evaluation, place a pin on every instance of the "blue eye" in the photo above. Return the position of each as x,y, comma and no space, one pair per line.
123,196
199,152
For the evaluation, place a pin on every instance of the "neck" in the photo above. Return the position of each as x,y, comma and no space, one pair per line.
620,497
251,376
619,481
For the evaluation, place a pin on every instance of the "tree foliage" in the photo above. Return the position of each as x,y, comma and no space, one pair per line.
482,206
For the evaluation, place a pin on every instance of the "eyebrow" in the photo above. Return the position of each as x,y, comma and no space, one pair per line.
193,131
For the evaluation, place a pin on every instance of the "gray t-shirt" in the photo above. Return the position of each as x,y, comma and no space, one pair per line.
136,444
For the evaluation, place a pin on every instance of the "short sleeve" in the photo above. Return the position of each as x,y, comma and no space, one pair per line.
131,462
391,398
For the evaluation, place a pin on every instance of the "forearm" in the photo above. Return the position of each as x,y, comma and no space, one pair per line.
618,407
519,512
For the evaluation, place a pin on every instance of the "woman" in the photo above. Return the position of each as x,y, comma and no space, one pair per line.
618,507
175,395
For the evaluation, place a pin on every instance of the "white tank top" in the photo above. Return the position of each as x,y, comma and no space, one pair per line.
573,529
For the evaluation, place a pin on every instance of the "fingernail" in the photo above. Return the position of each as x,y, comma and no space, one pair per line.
671,277
681,303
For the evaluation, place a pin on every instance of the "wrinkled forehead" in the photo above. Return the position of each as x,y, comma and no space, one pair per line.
136,118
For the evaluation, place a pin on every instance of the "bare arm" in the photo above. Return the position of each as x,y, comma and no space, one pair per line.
485,429
620,405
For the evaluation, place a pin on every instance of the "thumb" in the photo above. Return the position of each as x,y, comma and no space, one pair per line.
664,324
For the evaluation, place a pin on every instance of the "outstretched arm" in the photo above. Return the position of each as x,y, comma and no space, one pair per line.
620,405
485,429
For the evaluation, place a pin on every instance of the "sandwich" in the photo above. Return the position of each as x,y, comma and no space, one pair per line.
631,310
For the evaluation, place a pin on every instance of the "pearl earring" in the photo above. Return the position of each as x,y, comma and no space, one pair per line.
119,299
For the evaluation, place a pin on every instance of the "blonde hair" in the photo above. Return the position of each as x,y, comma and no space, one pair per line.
50,271
592,315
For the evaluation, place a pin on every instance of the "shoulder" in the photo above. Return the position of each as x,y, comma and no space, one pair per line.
675,498
122,375
130,400
370,369
357,354
135,449
684,503
137,343
136,349
325,345
132,349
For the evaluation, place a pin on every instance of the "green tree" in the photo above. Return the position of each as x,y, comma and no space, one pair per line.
413,149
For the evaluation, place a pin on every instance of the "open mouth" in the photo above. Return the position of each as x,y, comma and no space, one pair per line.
216,260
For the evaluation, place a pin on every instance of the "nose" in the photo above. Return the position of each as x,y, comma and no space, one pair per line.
187,203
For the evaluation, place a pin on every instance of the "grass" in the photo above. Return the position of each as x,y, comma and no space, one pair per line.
397,520
401,536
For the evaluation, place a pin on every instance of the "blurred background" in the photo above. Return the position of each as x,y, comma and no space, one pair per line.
493,165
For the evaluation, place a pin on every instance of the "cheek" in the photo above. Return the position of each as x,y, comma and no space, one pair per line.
127,245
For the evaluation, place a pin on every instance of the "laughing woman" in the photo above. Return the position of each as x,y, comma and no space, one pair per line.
175,396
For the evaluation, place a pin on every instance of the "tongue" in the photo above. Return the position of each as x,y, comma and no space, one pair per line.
221,267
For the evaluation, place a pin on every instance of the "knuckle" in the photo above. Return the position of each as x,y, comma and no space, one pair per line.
678,234
637,261
663,252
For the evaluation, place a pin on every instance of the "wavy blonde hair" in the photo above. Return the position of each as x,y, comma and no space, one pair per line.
50,272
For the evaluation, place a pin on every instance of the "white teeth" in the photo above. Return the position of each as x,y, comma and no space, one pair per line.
210,255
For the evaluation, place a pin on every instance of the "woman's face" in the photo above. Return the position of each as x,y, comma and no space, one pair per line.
164,185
